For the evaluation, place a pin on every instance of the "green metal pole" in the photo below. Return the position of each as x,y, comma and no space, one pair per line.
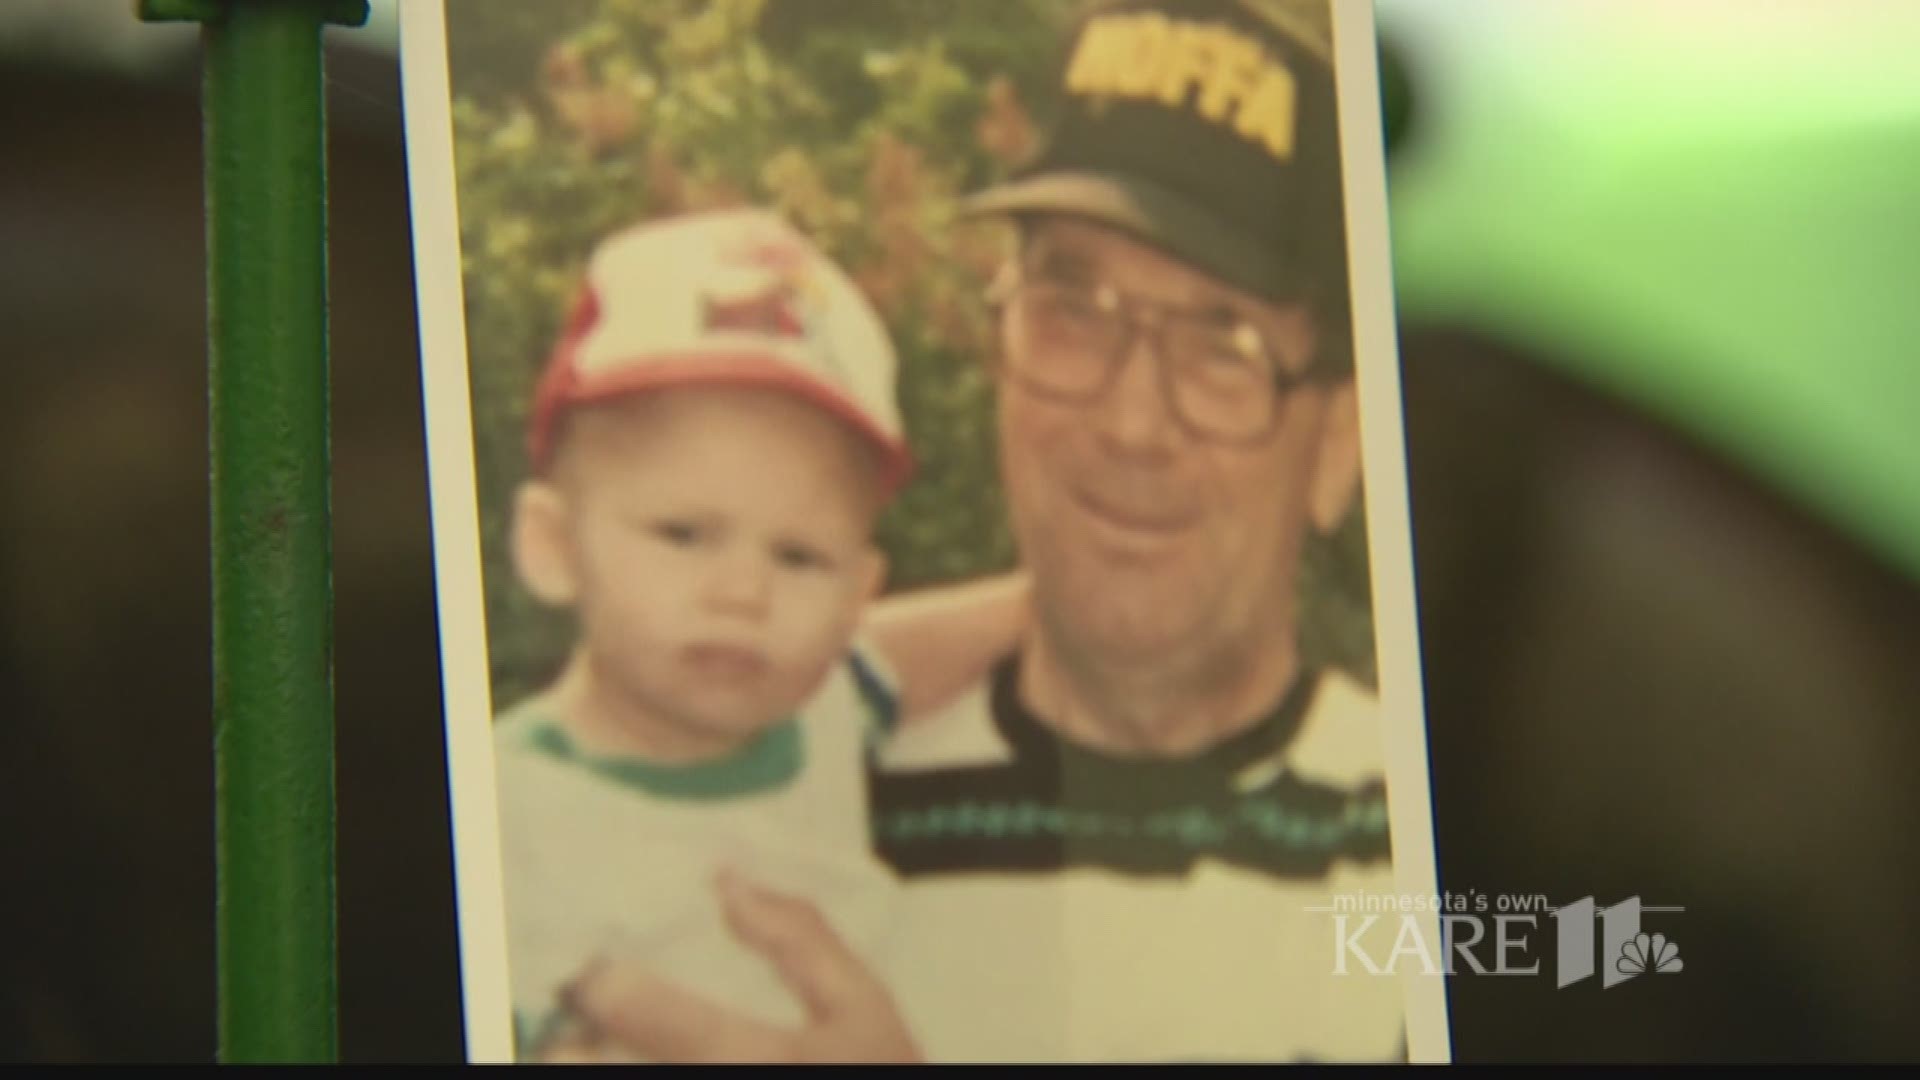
265,141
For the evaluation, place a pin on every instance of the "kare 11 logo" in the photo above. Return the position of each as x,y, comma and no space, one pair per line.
1494,935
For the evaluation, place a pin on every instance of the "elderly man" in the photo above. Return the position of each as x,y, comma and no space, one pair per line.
1124,844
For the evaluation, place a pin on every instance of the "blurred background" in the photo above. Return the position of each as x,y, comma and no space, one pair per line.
1656,266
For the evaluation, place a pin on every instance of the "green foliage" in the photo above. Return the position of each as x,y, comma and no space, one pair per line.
863,122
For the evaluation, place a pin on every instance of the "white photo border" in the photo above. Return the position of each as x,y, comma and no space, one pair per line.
1389,514
486,1008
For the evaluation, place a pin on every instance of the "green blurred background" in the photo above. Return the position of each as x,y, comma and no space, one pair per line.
1710,208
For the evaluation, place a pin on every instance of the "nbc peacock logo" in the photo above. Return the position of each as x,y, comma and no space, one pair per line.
1649,954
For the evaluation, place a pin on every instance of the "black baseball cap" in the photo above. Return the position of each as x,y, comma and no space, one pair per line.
1206,128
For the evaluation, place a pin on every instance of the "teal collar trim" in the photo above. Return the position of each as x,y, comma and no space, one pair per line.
769,761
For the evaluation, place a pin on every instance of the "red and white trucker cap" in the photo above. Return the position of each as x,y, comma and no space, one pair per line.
728,297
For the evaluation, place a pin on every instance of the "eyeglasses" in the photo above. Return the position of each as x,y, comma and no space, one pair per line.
1221,376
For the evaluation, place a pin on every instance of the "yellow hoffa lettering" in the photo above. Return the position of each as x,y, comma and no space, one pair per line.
1097,61
1188,58
1267,117
1144,55
1152,58
1235,72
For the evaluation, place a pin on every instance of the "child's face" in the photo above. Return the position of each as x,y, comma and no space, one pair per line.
720,542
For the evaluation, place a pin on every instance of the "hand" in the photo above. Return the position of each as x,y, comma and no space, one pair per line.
850,1015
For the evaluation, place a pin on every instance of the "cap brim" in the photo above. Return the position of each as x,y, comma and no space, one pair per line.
746,369
1151,213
